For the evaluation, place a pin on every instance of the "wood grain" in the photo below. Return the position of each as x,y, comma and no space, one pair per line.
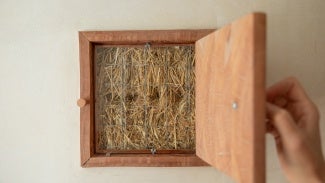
145,160
87,93
230,99
137,37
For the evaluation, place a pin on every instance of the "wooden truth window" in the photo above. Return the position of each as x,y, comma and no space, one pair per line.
175,98
144,99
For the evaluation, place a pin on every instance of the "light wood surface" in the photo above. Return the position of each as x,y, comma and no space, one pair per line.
230,99
81,102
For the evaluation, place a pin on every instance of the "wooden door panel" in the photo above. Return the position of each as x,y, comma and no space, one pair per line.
230,99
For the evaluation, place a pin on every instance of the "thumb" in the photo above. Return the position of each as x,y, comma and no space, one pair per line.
282,120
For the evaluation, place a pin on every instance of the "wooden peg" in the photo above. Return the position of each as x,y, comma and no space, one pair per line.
81,102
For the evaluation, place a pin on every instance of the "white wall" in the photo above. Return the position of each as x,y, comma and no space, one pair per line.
39,76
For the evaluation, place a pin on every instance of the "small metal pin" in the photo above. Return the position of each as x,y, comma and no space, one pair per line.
147,45
153,151
235,105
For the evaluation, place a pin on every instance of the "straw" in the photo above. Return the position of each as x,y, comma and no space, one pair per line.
144,97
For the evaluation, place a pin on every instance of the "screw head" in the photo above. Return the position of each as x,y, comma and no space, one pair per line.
147,45
153,151
235,105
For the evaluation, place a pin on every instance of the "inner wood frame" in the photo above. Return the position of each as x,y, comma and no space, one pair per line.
87,42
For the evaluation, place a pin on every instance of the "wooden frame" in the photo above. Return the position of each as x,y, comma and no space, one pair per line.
230,98
87,42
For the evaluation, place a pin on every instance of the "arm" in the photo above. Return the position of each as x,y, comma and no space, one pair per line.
293,119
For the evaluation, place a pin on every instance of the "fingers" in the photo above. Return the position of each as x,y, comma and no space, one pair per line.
281,120
289,89
272,130
289,94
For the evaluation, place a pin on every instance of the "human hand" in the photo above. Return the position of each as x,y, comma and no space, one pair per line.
293,120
